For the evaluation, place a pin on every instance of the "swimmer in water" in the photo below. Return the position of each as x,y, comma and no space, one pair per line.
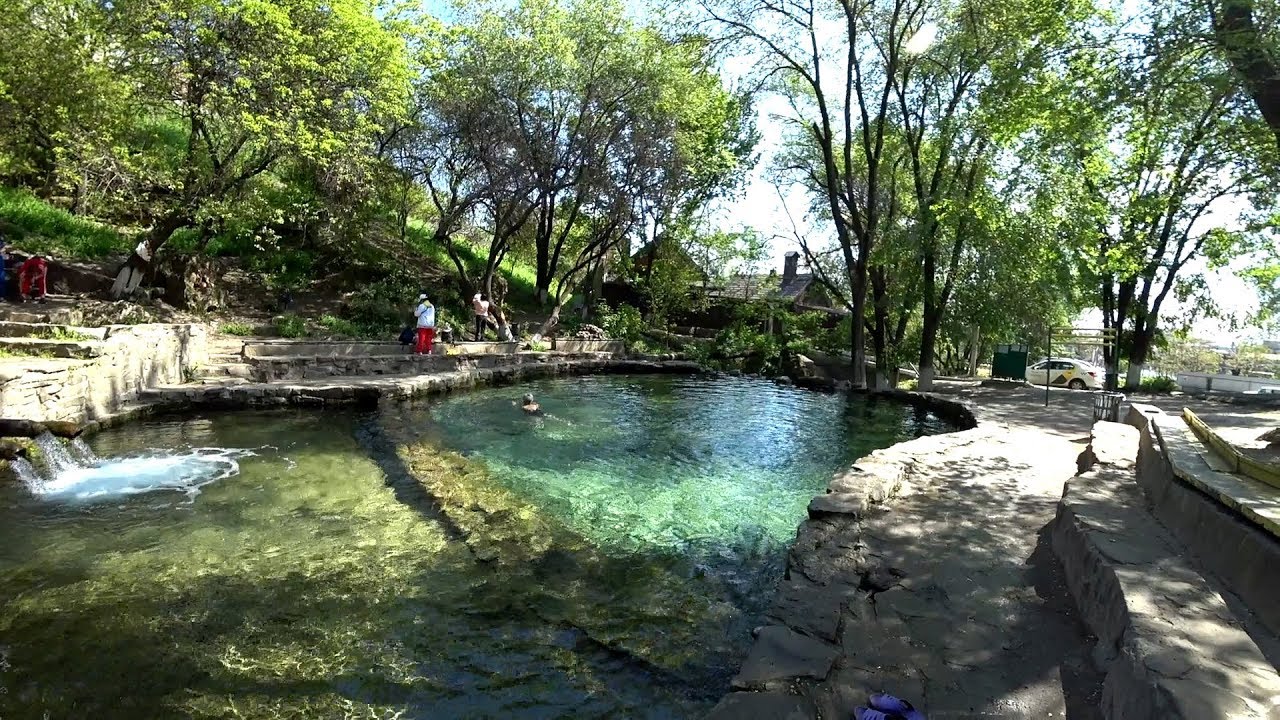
530,406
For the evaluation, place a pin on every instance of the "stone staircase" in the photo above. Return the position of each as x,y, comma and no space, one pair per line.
226,362
1177,586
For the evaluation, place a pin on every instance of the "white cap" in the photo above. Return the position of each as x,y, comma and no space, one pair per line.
422,297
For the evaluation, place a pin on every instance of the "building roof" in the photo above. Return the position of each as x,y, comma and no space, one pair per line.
761,287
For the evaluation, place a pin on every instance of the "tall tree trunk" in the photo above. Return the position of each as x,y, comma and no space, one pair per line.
1139,349
858,332
975,352
931,320
1253,58
544,274
880,329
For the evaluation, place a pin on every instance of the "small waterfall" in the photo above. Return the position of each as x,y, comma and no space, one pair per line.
84,454
72,471
55,456
27,474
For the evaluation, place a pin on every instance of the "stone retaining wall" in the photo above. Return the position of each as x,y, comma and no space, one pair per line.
1244,556
1168,643
296,368
370,391
132,359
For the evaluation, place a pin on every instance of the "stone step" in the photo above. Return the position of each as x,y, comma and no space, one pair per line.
36,313
228,370
55,348
10,329
220,358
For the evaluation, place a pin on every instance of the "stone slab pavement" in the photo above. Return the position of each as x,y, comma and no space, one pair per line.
980,624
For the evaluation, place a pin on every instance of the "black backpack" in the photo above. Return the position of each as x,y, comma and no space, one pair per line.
407,336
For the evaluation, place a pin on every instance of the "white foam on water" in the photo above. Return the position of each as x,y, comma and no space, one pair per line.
184,472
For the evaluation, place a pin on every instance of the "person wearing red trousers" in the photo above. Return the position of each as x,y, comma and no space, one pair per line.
32,276
426,314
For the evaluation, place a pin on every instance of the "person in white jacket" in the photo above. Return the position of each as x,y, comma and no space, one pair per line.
426,314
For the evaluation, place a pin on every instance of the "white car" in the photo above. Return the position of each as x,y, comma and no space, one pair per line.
1064,372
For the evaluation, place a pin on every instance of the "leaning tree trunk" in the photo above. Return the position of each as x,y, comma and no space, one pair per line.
501,324
130,275
552,321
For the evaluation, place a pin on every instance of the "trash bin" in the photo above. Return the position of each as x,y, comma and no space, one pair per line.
1106,406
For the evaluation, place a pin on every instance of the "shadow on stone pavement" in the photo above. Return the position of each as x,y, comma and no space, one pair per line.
980,624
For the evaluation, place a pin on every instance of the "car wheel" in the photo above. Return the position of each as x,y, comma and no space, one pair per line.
1076,384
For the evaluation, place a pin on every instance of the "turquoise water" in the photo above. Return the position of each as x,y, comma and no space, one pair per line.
672,464
606,561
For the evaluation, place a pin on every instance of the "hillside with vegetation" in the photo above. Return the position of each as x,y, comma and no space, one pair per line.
969,173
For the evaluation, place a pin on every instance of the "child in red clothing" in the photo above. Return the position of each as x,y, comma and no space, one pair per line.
33,272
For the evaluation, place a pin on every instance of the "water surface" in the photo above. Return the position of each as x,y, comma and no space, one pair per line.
641,528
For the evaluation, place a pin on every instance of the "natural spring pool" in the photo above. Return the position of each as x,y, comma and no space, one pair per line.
456,559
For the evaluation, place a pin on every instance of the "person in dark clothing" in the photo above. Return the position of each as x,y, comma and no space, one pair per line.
4,262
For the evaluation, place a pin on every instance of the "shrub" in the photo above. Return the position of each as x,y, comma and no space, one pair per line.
236,328
290,326
64,334
385,305
623,323
1162,385
341,326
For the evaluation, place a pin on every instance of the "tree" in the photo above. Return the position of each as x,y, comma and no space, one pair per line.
244,85
844,115
894,132
1251,50
61,102
1177,154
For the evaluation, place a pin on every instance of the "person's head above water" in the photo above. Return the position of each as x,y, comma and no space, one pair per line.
528,398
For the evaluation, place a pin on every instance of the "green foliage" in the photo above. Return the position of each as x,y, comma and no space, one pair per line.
623,323
236,328
37,226
61,96
290,326
62,334
341,326
1161,385
387,304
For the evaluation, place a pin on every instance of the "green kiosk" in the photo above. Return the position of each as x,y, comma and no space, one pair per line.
1010,362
